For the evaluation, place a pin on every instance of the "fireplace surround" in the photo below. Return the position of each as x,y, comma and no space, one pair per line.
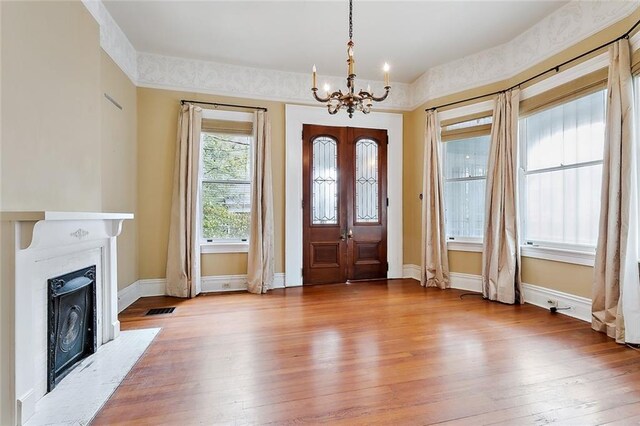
36,247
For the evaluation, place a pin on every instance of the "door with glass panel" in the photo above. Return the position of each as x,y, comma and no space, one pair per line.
344,204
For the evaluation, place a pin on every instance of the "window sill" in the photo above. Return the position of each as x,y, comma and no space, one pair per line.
559,255
472,246
207,248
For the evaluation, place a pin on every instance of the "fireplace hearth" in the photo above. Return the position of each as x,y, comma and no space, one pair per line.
72,322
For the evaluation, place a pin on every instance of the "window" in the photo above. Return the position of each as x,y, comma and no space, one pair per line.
225,180
561,165
465,175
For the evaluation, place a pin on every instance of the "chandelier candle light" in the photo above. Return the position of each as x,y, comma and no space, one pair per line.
361,101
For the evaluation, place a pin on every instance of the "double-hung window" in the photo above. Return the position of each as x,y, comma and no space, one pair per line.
561,170
465,160
225,179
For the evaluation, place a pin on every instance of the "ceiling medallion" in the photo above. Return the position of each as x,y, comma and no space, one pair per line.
361,101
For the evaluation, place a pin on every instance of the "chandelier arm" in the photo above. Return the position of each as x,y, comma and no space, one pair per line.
383,97
318,98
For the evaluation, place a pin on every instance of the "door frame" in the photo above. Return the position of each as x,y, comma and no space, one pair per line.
295,117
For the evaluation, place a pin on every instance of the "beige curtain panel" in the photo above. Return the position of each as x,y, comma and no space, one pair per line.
434,269
501,254
261,249
183,254
616,286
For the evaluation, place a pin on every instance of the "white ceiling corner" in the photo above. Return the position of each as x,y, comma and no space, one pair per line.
561,29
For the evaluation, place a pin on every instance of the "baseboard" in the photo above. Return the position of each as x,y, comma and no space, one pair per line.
223,283
128,295
468,282
459,281
580,307
211,284
411,271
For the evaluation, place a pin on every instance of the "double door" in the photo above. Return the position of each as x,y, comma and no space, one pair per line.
344,204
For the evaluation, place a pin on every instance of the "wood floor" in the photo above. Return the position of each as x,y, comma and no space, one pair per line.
371,353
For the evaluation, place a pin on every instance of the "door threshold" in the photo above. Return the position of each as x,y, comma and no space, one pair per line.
366,280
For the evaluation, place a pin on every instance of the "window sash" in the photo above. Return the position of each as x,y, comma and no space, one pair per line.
449,216
202,180
526,173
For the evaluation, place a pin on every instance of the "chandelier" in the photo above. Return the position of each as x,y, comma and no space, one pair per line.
361,101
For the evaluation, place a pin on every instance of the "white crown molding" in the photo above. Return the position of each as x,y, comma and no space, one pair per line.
113,40
158,71
558,31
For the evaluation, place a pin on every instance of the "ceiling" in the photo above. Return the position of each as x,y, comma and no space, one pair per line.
293,35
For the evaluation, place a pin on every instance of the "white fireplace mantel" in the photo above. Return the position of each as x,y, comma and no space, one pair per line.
36,246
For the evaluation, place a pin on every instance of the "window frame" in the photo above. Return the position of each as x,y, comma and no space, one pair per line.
223,245
581,254
469,244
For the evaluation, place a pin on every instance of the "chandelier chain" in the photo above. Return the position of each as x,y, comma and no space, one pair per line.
350,19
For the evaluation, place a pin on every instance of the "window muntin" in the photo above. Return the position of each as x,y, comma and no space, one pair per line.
465,173
225,186
561,158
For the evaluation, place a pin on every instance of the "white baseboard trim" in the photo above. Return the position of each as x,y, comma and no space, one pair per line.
411,271
211,284
223,283
580,307
468,282
459,280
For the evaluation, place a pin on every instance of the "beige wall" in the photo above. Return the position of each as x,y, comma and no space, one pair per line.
574,279
51,107
119,162
157,129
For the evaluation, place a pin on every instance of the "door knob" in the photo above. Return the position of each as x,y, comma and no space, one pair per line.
350,233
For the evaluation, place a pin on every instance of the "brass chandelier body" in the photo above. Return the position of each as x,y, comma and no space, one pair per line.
351,101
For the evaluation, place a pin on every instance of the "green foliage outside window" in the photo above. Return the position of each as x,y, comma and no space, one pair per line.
226,187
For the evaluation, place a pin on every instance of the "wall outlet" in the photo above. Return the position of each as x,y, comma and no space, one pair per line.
226,285
552,302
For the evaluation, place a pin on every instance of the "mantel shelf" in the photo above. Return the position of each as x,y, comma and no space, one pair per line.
36,216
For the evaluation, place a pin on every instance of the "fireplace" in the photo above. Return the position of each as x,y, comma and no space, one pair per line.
72,323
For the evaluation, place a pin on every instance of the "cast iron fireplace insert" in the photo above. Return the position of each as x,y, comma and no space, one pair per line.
72,322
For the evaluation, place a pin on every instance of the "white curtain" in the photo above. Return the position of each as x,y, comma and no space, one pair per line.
434,270
183,254
501,254
261,248
616,286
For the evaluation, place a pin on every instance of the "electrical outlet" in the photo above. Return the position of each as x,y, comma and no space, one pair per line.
552,302
226,285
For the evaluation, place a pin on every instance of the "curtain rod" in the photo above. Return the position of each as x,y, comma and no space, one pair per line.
540,74
217,104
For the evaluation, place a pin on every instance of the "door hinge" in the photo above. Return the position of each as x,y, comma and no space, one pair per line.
387,266
302,272
302,203
387,201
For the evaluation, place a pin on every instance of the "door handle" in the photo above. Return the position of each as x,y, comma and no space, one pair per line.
350,233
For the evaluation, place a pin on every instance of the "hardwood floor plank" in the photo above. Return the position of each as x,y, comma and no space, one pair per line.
370,353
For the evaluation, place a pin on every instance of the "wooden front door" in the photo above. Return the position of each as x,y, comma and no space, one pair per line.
344,204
